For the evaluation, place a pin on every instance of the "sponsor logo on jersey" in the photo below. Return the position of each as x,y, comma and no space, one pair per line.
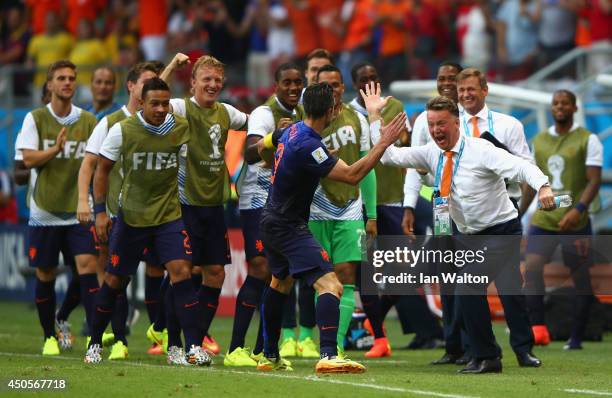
72,149
154,160
343,136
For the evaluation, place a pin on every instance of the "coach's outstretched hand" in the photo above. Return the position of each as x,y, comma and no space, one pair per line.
374,103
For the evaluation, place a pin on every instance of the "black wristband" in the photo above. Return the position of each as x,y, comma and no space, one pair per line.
581,207
99,208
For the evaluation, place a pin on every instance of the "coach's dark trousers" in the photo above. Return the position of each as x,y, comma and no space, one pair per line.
455,338
502,265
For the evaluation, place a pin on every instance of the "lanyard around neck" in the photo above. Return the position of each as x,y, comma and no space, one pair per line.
489,119
441,161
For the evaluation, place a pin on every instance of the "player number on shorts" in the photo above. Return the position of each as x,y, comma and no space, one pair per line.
186,242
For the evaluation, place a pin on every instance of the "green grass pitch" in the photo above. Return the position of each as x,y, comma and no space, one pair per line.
586,373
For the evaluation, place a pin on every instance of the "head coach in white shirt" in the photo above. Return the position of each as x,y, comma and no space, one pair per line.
446,84
478,204
417,209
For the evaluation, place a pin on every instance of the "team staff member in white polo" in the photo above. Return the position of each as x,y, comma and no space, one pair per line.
477,118
471,176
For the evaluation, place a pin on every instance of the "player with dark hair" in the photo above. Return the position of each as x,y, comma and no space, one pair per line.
300,161
279,111
137,75
336,217
301,345
572,157
148,143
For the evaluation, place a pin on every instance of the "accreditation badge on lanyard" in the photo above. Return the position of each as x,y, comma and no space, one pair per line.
441,204
441,214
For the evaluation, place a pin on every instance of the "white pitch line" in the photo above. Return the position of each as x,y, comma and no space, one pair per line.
588,392
266,374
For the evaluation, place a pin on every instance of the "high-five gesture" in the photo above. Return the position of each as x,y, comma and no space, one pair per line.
374,103
390,132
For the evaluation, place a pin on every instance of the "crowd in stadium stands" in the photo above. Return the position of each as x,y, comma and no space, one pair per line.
407,38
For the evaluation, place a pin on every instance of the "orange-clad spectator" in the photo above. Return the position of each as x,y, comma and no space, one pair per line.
330,24
39,10
359,26
46,48
599,14
79,10
390,16
360,18
393,42
305,29
153,27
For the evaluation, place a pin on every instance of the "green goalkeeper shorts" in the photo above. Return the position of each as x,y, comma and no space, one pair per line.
344,241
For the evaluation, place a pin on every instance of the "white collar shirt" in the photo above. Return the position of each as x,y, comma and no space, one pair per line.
478,198
507,130
418,137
